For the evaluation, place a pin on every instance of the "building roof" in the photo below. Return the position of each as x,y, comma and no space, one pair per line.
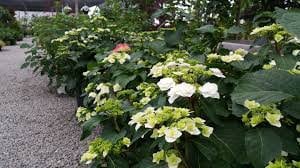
43,5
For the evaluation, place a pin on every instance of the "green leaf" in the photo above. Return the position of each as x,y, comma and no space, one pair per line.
158,46
286,62
207,148
173,38
124,79
292,108
262,146
139,133
88,126
291,22
109,133
25,65
116,162
147,163
100,56
269,86
192,155
288,139
211,110
230,141
249,62
207,29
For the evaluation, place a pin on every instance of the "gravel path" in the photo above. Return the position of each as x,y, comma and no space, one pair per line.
38,129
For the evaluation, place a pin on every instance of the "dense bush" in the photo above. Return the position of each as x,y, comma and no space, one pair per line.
10,29
168,96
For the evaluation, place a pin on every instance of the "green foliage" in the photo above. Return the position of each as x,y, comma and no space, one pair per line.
170,97
10,30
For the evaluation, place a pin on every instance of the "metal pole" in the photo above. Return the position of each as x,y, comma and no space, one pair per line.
76,7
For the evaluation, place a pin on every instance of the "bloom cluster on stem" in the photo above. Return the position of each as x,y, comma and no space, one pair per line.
170,122
101,148
237,55
258,113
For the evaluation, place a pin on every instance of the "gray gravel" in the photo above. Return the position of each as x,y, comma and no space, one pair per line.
38,129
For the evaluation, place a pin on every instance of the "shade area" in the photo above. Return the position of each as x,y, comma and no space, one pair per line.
43,5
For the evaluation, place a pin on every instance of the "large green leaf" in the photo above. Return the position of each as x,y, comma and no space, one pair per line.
230,141
173,38
192,155
109,133
262,146
292,108
116,162
286,62
207,148
88,126
291,22
269,86
289,139
124,79
213,111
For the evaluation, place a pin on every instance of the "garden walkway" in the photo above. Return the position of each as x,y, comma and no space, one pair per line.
38,129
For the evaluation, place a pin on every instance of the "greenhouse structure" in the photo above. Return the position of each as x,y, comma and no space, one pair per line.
149,84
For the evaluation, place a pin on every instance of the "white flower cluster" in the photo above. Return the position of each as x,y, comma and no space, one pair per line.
121,57
177,120
237,55
187,90
259,113
182,69
102,89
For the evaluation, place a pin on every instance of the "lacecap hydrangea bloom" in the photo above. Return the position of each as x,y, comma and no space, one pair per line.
237,55
170,122
259,113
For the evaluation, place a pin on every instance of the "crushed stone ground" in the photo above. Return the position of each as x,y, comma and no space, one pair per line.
38,129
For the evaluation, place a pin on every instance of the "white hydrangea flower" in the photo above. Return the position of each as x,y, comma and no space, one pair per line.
104,89
166,84
182,89
274,119
296,52
210,90
172,134
207,131
85,73
192,129
156,70
272,62
284,153
137,119
92,94
88,157
117,87
171,64
217,72
173,161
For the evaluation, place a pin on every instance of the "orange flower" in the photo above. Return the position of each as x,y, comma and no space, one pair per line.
122,47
